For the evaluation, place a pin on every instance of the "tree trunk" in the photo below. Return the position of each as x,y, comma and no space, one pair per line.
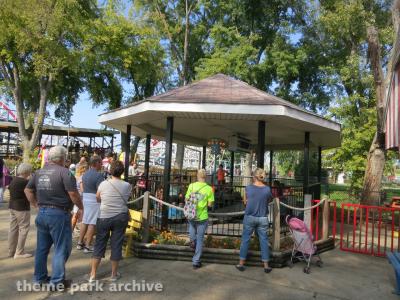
134,146
29,141
373,174
180,154
26,152
185,66
180,148
248,168
376,156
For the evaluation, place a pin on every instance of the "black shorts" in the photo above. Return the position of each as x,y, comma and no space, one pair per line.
114,227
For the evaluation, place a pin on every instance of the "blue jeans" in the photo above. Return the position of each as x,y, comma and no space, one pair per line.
251,224
197,229
53,227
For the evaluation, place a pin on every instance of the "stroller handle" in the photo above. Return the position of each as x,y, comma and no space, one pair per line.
287,219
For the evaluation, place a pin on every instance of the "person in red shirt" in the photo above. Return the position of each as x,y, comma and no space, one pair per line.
221,175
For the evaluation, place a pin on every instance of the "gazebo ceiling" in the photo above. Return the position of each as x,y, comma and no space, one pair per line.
220,106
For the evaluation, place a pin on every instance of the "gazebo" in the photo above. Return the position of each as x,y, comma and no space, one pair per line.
222,107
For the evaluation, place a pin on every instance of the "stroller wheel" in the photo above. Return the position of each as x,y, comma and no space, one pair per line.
307,270
289,263
320,263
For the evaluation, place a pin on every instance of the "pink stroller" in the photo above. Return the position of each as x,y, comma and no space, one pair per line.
303,245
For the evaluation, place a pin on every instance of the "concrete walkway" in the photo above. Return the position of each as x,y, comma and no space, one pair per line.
344,276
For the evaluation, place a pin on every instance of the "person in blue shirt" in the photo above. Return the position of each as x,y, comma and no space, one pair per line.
256,199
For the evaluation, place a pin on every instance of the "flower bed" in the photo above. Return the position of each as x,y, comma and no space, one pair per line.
169,246
214,242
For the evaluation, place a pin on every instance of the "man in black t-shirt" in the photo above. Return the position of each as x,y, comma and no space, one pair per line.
53,189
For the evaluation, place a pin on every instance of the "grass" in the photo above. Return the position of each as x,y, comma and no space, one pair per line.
340,193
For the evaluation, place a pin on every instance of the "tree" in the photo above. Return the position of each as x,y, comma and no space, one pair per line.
39,58
254,41
51,51
377,153
121,48
348,34
259,42
174,20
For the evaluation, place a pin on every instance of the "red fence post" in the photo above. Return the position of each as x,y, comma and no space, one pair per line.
334,220
366,228
341,227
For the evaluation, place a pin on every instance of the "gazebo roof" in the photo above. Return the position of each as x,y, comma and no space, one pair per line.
220,106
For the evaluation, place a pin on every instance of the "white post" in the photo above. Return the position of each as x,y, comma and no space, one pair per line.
146,218
325,220
276,234
307,213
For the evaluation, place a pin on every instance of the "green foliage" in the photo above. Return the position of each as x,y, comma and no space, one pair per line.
312,54
34,159
41,39
342,32
287,161
232,54
117,48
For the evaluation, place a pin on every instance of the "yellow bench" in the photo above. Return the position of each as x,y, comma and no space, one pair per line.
133,227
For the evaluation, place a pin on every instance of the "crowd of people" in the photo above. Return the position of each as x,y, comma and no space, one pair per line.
97,197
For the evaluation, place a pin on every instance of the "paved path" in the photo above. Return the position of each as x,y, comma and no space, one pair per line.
344,276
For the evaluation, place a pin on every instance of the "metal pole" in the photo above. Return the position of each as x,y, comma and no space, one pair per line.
127,151
167,168
232,170
271,163
306,162
215,170
318,196
203,162
147,161
67,138
261,144
112,143
8,143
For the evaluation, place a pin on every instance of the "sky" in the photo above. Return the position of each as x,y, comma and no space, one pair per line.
84,115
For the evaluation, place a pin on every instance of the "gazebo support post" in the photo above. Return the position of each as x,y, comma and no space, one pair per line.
127,144
167,169
203,161
147,161
261,144
112,143
318,196
232,169
271,161
8,143
306,162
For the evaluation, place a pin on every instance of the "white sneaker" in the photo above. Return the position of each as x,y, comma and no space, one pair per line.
24,255
88,250
89,278
115,277
80,246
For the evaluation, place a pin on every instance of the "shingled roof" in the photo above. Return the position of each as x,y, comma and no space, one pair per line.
222,89
221,106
